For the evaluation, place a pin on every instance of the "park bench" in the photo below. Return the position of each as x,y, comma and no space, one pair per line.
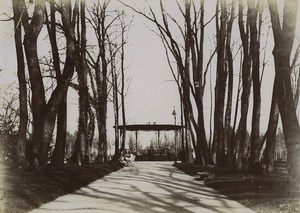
128,160
203,175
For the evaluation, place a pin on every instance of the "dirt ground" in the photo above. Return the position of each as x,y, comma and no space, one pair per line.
267,193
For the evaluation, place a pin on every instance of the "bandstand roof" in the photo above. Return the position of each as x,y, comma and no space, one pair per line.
151,127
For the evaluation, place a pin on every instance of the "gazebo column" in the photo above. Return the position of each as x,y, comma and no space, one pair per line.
121,147
136,141
158,138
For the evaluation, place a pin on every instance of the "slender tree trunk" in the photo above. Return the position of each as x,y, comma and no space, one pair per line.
59,150
123,90
210,143
228,130
297,92
220,85
197,65
232,137
255,55
103,92
82,144
246,83
91,130
114,81
21,140
102,148
271,132
184,148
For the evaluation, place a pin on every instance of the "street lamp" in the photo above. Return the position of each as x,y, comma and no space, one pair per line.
174,114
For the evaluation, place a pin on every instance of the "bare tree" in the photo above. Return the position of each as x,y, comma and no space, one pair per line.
122,92
114,82
284,35
103,23
59,150
21,141
229,58
246,83
255,26
270,135
44,114
186,54
220,88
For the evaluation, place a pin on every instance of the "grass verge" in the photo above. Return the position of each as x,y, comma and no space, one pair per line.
262,193
22,191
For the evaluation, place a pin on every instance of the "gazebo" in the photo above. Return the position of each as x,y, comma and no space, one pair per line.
150,127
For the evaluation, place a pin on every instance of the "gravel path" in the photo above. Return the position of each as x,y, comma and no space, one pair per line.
144,187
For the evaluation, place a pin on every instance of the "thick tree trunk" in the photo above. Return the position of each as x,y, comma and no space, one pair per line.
32,32
44,115
58,156
284,36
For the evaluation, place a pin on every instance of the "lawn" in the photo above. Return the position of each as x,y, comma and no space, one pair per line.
22,191
262,193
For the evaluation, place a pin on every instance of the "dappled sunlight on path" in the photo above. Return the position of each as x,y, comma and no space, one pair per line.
145,187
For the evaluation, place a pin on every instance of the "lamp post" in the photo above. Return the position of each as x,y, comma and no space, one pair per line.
174,114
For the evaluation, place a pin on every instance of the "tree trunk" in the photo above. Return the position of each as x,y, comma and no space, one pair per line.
58,156
116,106
220,87
44,115
283,43
91,128
32,32
21,140
227,130
82,154
197,64
185,70
232,138
61,133
184,148
271,132
246,83
255,54
123,92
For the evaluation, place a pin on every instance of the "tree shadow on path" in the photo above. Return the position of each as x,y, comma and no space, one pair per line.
146,187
